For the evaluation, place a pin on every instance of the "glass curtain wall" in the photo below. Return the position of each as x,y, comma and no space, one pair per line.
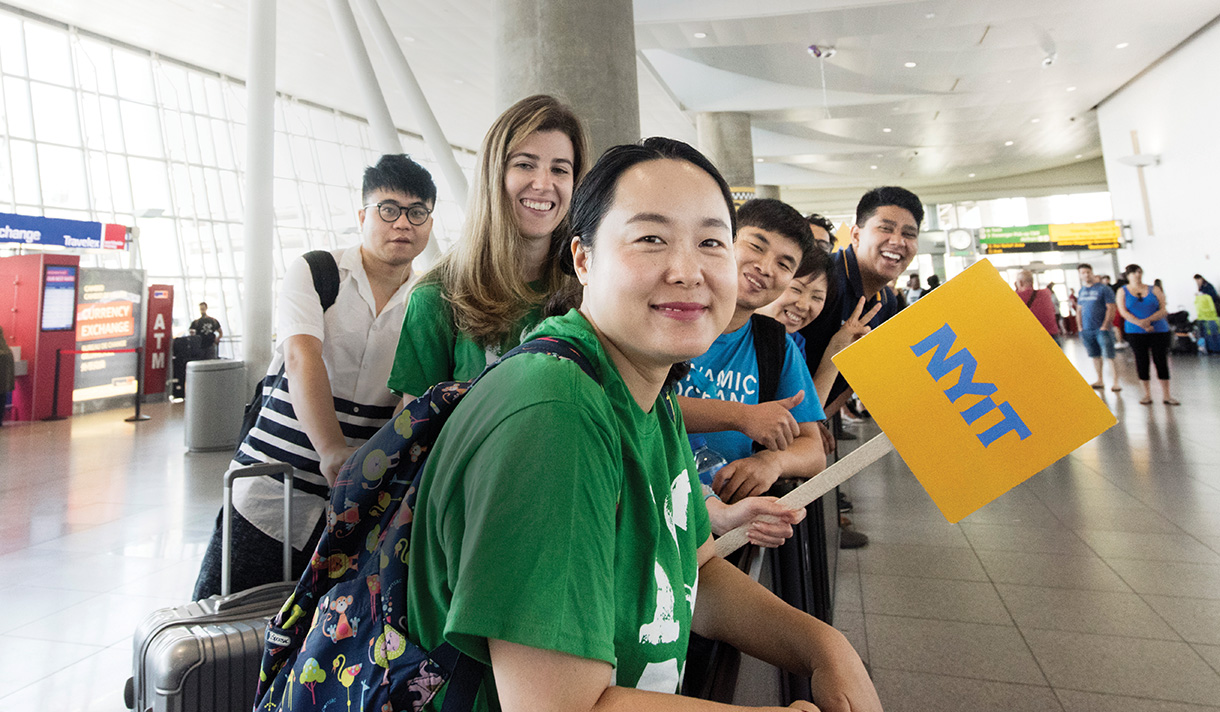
92,129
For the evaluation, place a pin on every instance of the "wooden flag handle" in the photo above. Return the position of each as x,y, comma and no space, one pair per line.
816,486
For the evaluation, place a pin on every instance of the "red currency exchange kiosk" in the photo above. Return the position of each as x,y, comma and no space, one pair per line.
38,295
41,319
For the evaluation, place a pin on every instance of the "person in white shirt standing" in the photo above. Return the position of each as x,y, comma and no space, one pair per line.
337,358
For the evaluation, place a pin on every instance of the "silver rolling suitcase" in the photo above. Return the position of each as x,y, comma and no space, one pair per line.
204,656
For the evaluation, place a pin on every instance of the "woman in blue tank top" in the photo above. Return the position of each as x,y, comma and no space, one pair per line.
1143,310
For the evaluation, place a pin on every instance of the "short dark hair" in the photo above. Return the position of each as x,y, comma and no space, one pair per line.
397,172
1199,276
203,304
779,217
824,223
595,194
1132,268
1082,265
888,195
816,262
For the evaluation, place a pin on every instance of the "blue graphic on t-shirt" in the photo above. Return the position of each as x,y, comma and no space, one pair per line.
729,371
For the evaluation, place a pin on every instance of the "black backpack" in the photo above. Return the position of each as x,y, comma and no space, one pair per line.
770,347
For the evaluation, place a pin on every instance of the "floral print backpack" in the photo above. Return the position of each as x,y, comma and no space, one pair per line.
340,638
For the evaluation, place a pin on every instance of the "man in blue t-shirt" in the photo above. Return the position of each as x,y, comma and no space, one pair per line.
1096,303
722,394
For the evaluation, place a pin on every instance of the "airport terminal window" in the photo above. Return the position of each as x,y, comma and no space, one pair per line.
94,130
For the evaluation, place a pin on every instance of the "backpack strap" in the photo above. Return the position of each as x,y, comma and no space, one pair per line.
325,273
558,348
465,677
770,344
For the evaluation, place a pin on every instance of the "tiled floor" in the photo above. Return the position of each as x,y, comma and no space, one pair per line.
1093,587
101,522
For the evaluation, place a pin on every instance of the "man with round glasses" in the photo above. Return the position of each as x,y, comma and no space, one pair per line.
338,360
390,211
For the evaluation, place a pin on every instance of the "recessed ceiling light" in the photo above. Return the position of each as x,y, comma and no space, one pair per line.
459,81
1080,155
700,35
408,38
910,65
1008,143
758,160
1034,121
929,16
1122,45
879,155
971,175
887,130
1071,88
873,167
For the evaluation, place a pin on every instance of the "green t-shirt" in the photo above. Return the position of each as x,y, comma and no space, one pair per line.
431,350
555,513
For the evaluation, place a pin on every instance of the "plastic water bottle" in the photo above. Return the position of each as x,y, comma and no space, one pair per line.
707,463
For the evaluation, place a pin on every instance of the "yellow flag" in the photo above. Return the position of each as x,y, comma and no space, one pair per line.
972,391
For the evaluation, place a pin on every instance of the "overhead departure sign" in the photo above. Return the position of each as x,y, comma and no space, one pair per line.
1105,235
973,393
36,231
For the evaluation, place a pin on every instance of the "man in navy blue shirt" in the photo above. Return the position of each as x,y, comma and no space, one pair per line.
883,243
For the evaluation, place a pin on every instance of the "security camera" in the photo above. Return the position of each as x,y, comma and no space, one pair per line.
1049,59
821,52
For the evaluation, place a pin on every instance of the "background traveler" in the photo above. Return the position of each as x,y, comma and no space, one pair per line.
1147,331
1096,304
208,330
1039,302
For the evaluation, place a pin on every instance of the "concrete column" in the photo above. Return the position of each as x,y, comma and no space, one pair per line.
259,224
384,135
581,51
767,191
434,137
724,137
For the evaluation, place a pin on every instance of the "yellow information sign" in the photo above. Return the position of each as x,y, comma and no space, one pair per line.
1088,236
974,394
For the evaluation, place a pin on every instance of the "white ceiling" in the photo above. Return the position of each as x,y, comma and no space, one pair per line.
978,80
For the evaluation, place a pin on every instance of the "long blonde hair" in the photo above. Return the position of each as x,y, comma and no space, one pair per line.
482,277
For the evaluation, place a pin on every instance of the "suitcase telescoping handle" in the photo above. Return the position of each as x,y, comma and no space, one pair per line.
267,469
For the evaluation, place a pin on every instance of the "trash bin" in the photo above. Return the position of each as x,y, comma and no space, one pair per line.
215,404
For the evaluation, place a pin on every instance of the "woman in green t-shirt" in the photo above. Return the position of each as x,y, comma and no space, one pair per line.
559,536
479,298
